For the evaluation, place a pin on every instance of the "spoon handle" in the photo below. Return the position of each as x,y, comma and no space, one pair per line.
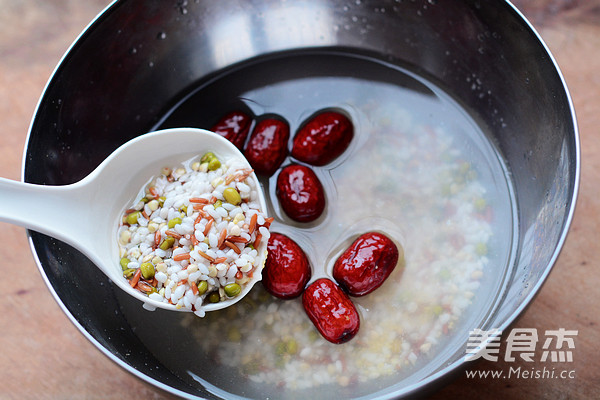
52,210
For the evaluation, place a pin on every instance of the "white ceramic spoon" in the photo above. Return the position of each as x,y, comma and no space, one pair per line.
86,214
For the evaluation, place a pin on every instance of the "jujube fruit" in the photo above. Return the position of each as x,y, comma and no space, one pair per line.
300,193
366,264
323,138
287,270
267,147
331,311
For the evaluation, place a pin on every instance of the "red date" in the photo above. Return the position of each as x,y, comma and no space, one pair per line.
267,147
300,193
287,270
234,127
323,138
331,311
366,264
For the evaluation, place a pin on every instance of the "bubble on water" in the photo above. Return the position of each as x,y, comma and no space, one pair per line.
161,35
182,6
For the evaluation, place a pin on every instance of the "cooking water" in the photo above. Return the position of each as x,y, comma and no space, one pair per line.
419,169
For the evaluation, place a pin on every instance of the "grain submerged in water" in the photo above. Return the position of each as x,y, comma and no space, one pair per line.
406,321
189,238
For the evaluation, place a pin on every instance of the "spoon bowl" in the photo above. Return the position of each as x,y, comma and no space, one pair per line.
86,214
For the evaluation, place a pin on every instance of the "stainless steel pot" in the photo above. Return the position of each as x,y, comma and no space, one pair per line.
127,68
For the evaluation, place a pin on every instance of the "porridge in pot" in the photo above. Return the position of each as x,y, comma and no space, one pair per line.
418,169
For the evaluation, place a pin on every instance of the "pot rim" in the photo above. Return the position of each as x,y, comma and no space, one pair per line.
426,383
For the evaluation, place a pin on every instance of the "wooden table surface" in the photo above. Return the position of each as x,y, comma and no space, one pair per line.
43,356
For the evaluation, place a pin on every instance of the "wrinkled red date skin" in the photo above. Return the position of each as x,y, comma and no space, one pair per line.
234,127
366,264
300,193
267,147
323,138
287,270
331,311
